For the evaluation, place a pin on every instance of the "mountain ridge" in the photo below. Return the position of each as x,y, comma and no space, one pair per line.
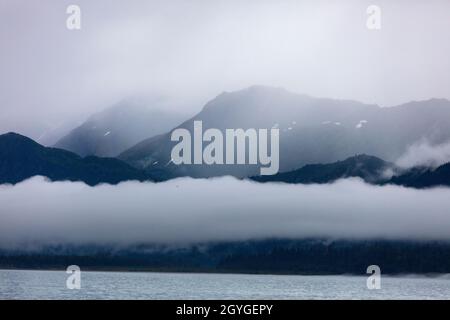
312,130
370,169
22,158
422,177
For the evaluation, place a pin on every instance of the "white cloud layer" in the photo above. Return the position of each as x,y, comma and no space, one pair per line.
184,211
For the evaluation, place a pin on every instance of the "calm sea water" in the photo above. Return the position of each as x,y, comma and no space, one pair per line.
19,284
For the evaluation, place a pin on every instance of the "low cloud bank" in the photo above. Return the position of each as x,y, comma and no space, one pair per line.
184,211
423,153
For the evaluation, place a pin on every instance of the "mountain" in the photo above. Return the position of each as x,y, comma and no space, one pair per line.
370,169
118,128
424,177
312,130
22,158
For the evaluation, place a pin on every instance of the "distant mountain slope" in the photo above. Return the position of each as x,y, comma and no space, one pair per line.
424,177
22,158
312,130
370,169
118,128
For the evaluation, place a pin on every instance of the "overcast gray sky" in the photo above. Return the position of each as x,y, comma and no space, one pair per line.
192,50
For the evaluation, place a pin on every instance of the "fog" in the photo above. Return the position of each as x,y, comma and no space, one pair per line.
424,153
185,211
190,51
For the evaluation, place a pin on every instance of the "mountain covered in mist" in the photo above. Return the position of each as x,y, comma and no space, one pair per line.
22,158
370,169
312,130
118,128
422,177
319,139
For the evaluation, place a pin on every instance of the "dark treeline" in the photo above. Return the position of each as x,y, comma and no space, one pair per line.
266,256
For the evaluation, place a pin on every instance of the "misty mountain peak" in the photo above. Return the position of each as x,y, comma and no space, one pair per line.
312,130
119,127
257,94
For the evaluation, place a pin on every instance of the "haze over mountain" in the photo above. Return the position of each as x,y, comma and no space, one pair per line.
368,168
319,139
312,130
197,49
117,128
371,169
422,177
22,158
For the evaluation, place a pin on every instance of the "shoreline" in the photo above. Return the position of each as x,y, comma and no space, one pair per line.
216,272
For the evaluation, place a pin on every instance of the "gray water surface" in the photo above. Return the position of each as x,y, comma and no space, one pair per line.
21,284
